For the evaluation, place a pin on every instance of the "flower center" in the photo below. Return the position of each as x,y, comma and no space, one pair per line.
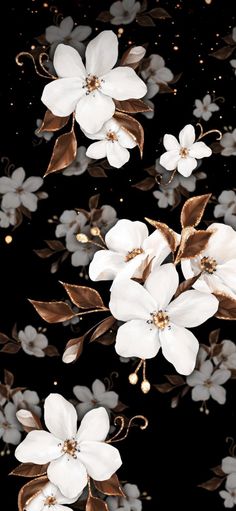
92,83
160,319
70,447
184,152
50,501
208,264
133,254
111,136
19,190
208,383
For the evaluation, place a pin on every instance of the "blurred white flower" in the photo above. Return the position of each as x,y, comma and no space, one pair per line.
226,207
16,191
124,11
113,144
69,34
189,183
131,502
147,100
233,64
47,135
234,34
184,154
207,383
27,400
155,73
98,397
229,467
9,425
228,142
70,222
7,217
76,319
32,342
205,108
227,357
49,499
79,165
165,197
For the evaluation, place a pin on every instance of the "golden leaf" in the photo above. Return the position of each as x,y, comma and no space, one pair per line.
30,490
29,420
110,486
53,123
146,184
84,297
168,233
193,210
102,328
132,127
29,470
227,306
53,312
133,56
64,152
95,504
73,350
132,106
194,244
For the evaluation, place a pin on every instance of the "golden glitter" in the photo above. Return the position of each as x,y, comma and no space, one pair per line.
184,152
92,83
70,447
82,238
50,501
208,264
8,239
161,320
133,378
133,254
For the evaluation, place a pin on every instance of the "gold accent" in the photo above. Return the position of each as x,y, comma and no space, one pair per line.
82,238
208,264
184,152
95,231
145,386
50,501
133,254
160,319
92,83
133,378
70,447
111,136
119,420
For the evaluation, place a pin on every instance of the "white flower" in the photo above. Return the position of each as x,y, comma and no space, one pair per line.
32,342
184,154
206,383
155,73
153,322
129,503
217,262
189,183
98,397
227,357
9,425
233,64
229,495
47,135
72,455
27,400
67,34
49,499
228,142
16,192
113,144
129,246
165,196
124,11
234,34
226,207
89,91
79,165
7,217
205,108
76,319
147,100
229,467
71,222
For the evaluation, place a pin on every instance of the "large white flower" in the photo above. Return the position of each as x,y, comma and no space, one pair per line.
184,154
129,246
49,499
113,144
227,357
89,91
153,321
228,142
27,400
33,342
226,207
16,191
207,382
124,11
72,455
205,108
98,397
67,34
217,262
9,425
79,165
155,73
131,501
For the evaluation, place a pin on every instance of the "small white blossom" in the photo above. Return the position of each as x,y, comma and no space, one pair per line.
227,357
155,74
98,397
131,501
7,217
70,222
207,383
165,197
47,135
33,342
67,33
27,400
9,425
79,165
16,190
205,108
50,499
189,183
124,11
233,64
228,142
226,207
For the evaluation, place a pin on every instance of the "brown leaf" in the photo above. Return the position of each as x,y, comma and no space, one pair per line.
133,56
168,234
30,490
194,244
4,338
3,390
8,378
53,312
164,88
11,347
175,401
163,387
84,297
53,123
193,210
95,504
187,284
146,184
145,21
64,152
96,172
216,350
28,419
110,486
223,53
176,78
159,13
211,484
175,379
120,407
133,127
102,328
104,16
228,39
44,253
227,306
214,336
216,147
132,106
29,470
55,245
51,351
93,201
73,349
218,471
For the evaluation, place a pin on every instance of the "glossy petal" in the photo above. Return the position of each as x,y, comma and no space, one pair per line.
60,416
162,284
179,347
100,459
38,447
68,63
94,426
61,96
138,303
137,338
187,136
93,110
68,474
192,308
102,53
123,83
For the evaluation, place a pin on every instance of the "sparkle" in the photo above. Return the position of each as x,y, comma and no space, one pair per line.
184,152
160,319
208,264
8,239
133,253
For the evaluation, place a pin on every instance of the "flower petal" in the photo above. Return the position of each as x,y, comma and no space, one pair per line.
100,459
126,235
196,378
82,393
109,399
186,166
171,143
162,284
60,416
105,265
69,474
11,200
93,110
137,338
218,393
138,303
200,150
187,136
227,273
68,63
125,139
220,376
61,96
192,308
29,200
97,150
117,155
170,159
18,176
94,426
32,184
222,244
36,503
229,465
38,447
102,53
123,83
179,347
6,185
200,393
